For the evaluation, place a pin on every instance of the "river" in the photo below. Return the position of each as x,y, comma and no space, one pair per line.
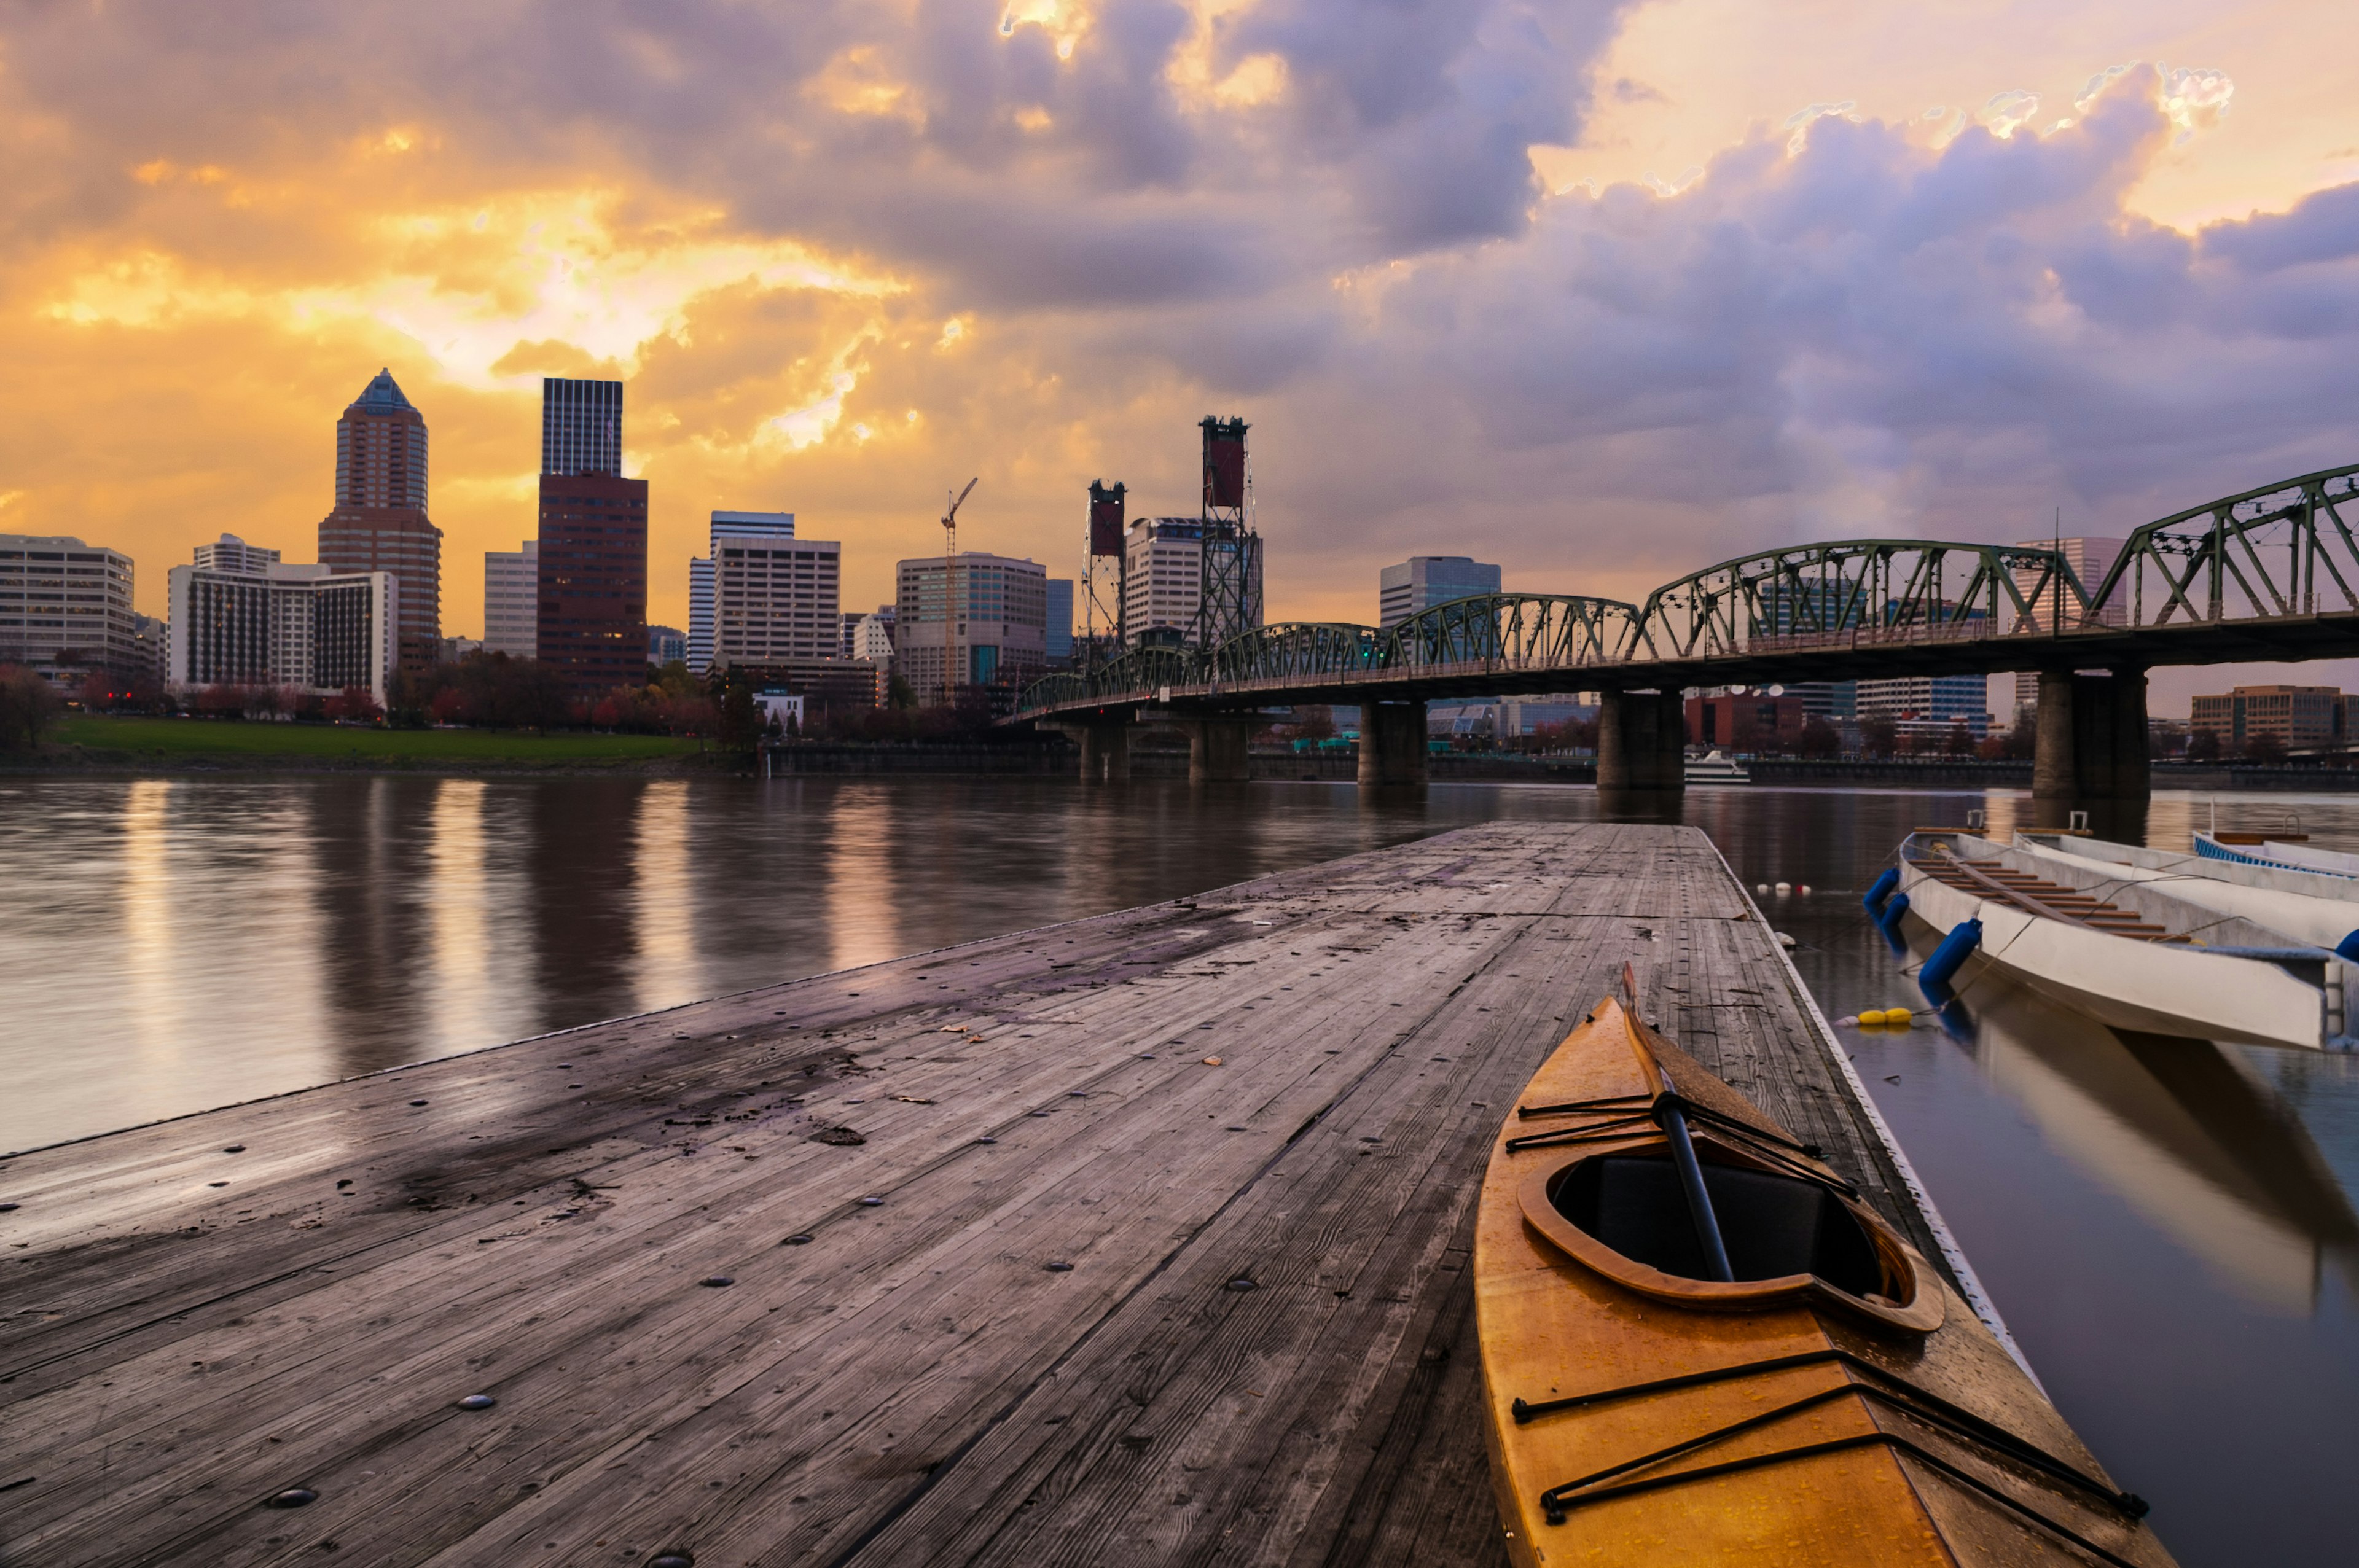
2167,1228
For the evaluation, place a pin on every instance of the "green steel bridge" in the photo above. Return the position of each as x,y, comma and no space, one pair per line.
2271,574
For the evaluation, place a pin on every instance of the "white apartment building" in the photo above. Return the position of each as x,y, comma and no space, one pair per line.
231,554
512,600
65,607
775,598
872,638
306,626
999,638
1163,576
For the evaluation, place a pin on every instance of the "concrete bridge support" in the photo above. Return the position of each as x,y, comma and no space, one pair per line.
1219,749
1392,743
1642,741
2091,747
1105,747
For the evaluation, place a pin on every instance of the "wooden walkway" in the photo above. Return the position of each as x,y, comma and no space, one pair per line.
1017,1273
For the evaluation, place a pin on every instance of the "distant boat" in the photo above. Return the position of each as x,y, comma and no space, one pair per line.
2320,907
1717,767
2124,950
2289,853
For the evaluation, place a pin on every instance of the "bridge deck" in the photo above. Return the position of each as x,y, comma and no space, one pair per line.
1261,1349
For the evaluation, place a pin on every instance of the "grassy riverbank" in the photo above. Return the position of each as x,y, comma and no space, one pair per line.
97,742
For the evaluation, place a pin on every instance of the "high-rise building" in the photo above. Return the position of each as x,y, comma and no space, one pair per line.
998,639
775,598
512,600
847,624
700,614
1422,582
305,626
2090,559
592,617
1059,645
231,554
581,426
667,645
379,521
65,607
1163,576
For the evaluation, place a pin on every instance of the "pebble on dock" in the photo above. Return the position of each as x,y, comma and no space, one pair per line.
796,1241
233,1149
715,1281
477,1402
1211,1061
292,1497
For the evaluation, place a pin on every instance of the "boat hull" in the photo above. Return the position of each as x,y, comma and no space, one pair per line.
1553,1326
2148,987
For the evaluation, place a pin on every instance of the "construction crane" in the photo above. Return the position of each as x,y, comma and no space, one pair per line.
953,612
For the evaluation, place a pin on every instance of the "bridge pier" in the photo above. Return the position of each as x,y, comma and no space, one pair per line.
2091,747
1219,749
1642,741
1392,744
1104,744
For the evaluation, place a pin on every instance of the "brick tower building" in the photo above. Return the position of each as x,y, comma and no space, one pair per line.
591,621
379,522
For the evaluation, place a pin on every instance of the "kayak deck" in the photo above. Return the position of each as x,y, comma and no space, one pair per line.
1668,1422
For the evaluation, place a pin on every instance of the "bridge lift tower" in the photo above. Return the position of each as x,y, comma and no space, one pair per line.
1106,539
1230,602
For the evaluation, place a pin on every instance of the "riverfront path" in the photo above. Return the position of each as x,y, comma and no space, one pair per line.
1059,1290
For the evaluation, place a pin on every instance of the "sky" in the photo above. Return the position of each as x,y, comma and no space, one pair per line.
1603,290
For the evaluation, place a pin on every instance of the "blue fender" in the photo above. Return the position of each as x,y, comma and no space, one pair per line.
1963,938
1881,888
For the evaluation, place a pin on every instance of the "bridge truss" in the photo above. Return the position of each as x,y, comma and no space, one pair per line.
2270,573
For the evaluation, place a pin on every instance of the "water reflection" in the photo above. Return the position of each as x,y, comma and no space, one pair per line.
2184,1132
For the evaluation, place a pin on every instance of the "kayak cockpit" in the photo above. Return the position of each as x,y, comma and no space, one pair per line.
1774,1226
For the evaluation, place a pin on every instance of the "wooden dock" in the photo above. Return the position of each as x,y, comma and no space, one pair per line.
1135,1240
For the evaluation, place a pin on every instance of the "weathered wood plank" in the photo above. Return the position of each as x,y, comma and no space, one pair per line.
914,1383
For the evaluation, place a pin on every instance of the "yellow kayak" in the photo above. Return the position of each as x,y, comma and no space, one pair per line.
1700,1348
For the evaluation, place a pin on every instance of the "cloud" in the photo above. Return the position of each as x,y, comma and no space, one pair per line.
1320,215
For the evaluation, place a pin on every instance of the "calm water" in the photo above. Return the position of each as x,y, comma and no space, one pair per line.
2168,1227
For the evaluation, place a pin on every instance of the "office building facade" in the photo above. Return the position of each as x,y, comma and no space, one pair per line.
306,626
998,638
1422,582
1163,582
512,600
1058,643
592,620
2292,716
1919,703
667,645
65,608
379,521
700,614
775,598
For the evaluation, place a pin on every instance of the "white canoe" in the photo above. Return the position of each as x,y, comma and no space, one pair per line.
2125,953
2321,911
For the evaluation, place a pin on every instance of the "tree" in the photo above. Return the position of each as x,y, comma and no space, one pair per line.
1818,737
28,706
2203,746
1962,741
2266,750
356,703
900,695
1878,736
